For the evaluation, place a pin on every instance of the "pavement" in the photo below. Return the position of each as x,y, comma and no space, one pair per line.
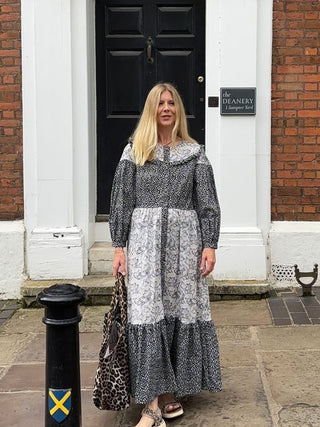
270,372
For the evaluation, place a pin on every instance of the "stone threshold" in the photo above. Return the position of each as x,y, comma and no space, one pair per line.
99,289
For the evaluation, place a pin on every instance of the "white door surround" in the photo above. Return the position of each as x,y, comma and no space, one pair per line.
59,130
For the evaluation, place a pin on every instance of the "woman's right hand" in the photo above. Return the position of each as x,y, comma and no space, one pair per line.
119,261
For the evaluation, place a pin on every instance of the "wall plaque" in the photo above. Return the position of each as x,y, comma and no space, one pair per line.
237,101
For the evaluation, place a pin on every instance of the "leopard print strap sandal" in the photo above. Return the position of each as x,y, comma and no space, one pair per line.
157,418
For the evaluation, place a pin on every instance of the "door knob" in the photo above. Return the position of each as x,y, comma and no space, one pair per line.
200,79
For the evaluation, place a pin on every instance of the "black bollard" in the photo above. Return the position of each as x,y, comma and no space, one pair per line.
62,317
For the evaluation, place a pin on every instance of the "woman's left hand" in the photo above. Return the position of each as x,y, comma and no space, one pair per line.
208,261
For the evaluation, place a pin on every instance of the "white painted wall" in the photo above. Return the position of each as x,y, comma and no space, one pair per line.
58,131
293,243
11,258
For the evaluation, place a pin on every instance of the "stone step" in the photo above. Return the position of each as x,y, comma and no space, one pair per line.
99,289
233,290
101,258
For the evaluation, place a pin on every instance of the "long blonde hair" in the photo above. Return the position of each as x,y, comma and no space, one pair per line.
145,136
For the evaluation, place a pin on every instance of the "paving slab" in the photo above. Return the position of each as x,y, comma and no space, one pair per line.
241,403
6,314
2,371
289,338
300,318
90,343
93,417
24,377
278,308
22,409
233,355
293,376
230,334
285,321
12,305
241,313
310,301
24,321
11,346
27,410
88,371
236,347
301,415
34,350
93,317
313,311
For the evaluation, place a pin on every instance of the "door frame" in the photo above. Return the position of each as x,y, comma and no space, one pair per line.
213,121
66,197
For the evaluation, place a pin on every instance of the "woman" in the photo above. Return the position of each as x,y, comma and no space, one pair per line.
164,204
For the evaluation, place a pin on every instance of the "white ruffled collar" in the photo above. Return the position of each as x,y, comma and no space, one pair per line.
180,153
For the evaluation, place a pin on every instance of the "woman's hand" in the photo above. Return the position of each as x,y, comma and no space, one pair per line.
208,261
119,261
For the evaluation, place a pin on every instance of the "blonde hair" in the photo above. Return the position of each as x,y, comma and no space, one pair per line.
145,136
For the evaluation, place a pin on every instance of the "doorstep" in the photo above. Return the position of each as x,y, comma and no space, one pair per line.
235,290
99,289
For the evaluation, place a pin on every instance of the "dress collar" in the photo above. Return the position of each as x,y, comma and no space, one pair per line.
180,153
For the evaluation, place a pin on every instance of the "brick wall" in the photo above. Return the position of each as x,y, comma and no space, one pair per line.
11,172
296,112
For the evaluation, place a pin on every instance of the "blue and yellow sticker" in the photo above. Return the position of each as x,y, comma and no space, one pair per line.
59,402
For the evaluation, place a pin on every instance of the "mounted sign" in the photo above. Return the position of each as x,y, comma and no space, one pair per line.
237,101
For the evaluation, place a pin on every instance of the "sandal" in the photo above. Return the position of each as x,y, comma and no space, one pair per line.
157,418
173,413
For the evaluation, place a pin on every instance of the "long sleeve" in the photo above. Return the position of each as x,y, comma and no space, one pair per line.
206,202
122,199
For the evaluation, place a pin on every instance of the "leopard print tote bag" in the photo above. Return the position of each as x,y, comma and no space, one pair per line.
112,381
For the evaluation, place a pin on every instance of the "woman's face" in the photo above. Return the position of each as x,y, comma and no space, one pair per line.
166,115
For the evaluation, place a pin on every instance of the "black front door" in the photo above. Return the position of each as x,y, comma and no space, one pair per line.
140,43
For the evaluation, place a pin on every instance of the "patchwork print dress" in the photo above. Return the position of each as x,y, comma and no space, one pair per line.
167,211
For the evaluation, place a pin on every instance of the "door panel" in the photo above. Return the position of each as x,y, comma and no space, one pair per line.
171,62
175,34
124,21
121,100
175,20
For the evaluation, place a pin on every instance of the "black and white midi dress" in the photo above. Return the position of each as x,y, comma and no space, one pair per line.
167,211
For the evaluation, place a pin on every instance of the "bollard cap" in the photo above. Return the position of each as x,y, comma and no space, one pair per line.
62,293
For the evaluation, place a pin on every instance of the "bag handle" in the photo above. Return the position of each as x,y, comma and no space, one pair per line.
119,296
121,292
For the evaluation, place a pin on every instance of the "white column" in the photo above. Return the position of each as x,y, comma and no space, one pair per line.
84,119
239,36
56,129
